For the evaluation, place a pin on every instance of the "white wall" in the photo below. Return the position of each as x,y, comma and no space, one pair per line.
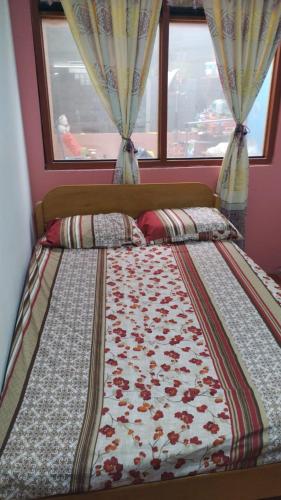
15,204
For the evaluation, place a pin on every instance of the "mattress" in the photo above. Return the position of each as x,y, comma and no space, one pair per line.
135,365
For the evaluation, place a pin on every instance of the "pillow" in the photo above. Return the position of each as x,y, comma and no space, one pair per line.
89,231
182,224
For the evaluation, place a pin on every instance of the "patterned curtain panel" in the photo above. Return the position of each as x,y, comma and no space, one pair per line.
115,39
245,36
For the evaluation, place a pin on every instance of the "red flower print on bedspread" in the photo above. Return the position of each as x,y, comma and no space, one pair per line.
163,402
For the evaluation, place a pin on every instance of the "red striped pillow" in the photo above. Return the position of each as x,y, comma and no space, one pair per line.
93,231
182,224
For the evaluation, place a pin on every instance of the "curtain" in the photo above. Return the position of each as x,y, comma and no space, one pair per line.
245,35
115,39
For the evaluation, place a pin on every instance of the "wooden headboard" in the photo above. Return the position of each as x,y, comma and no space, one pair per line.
131,199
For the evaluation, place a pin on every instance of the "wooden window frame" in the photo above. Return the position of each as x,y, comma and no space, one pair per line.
162,160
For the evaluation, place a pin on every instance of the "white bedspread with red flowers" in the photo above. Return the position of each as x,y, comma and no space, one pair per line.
151,363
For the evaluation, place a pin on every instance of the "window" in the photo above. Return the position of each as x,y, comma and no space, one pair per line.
81,128
199,119
184,118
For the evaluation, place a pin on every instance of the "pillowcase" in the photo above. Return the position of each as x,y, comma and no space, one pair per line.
183,224
90,231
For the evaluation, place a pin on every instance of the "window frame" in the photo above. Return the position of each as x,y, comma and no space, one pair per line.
167,16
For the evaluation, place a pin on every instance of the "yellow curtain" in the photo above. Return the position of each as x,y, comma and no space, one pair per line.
245,35
115,39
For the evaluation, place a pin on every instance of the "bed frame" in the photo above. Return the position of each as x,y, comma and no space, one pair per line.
130,199
260,482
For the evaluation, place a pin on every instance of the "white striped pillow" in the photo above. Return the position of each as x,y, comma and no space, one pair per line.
93,231
173,225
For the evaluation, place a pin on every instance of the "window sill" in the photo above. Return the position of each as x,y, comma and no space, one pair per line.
143,164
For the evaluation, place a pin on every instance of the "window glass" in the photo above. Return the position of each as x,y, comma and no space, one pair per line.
81,128
199,120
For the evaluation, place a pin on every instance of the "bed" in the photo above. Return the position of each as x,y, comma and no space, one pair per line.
142,372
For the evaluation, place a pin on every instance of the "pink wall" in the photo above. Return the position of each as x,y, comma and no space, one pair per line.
263,241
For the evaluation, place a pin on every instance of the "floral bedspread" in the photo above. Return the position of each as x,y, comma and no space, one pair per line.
140,364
